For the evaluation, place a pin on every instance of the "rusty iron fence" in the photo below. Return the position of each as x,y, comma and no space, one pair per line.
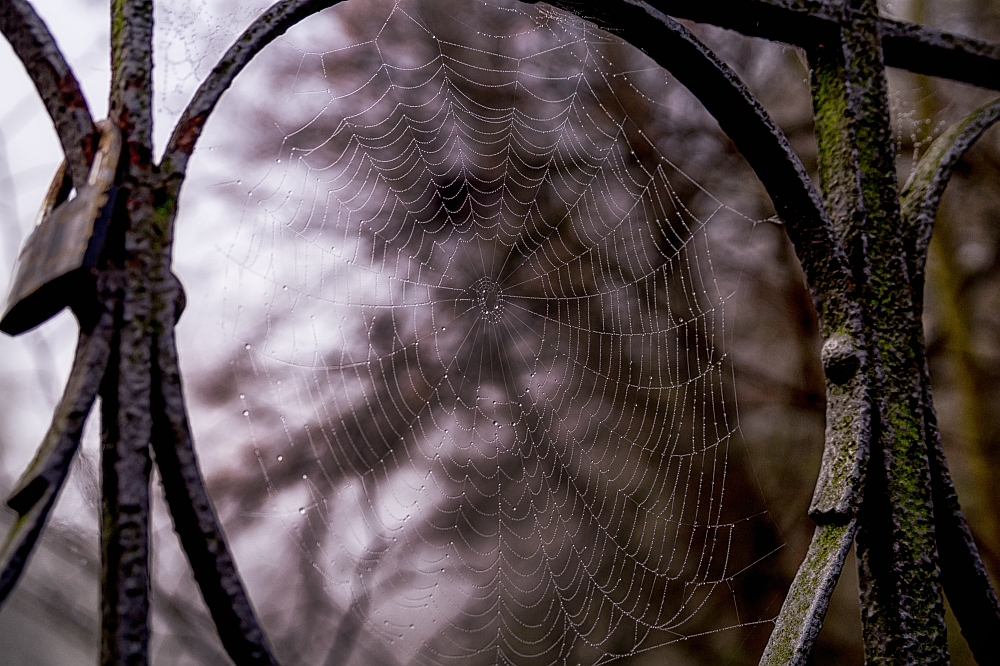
883,485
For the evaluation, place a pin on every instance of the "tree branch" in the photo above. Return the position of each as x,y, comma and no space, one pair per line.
265,29
55,83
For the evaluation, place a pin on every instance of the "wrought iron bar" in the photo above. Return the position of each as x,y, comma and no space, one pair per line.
36,491
55,82
125,467
903,614
808,23
849,411
191,509
856,262
963,575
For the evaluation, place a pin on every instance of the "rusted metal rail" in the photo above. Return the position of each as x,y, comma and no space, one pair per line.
883,483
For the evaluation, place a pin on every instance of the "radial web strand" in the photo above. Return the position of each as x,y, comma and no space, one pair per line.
482,344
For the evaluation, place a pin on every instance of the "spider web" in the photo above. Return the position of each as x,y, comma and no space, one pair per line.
482,340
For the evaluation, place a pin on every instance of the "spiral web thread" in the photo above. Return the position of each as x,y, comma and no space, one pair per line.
485,347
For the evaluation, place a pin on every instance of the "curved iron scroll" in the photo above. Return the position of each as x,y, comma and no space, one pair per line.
796,200
922,194
824,260
40,484
963,574
132,348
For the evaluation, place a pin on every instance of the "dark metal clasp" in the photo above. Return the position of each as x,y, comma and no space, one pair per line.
66,242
